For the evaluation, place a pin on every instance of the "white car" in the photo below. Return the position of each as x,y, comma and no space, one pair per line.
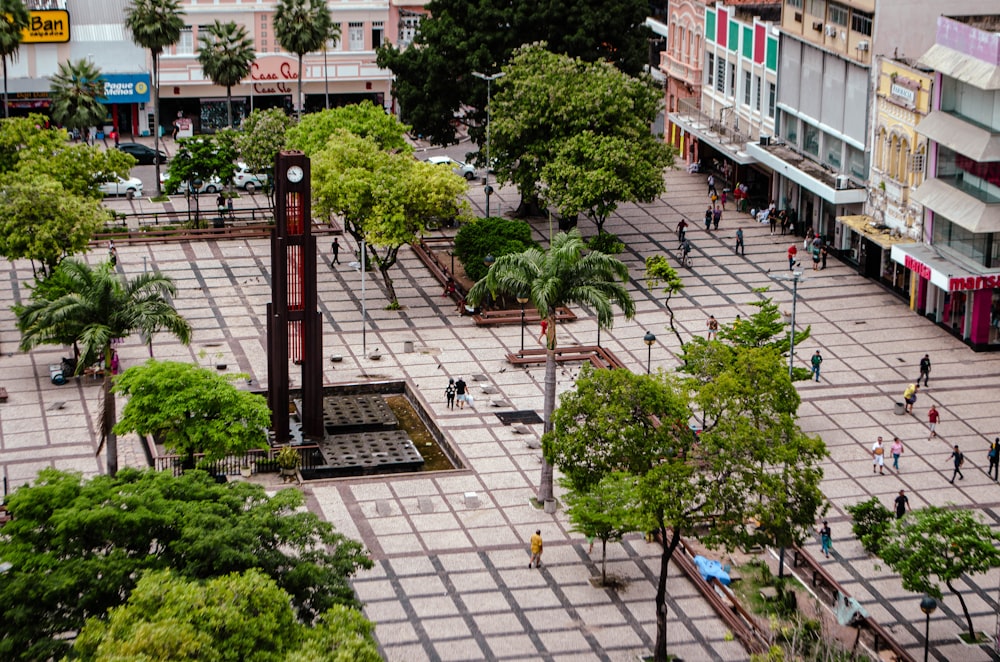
130,187
213,185
248,181
466,170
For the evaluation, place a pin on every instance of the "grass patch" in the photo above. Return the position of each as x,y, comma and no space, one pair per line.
160,198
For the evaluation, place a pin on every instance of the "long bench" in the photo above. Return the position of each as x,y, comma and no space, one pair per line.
509,316
599,357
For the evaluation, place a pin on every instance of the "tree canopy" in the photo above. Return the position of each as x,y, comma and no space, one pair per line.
77,548
494,236
302,26
14,18
190,409
432,77
364,119
77,89
232,618
933,546
226,52
551,109
386,199
261,138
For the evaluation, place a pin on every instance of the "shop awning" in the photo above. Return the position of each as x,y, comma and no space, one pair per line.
806,173
942,270
958,206
960,66
955,133
878,233
703,132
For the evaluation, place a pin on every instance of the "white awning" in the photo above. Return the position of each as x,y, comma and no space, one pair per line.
703,133
806,180
958,206
962,67
942,271
955,133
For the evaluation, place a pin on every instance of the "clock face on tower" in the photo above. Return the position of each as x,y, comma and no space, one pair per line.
294,174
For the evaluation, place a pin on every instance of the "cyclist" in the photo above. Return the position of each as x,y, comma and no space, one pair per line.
686,250
681,227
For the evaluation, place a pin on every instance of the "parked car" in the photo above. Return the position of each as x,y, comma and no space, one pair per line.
130,187
143,155
213,185
466,170
248,181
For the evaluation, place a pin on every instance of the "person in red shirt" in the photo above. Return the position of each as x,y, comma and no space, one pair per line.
932,419
792,252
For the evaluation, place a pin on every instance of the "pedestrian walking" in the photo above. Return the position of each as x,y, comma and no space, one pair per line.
112,255
773,220
994,456
783,221
925,369
708,219
335,249
878,457
461,393
792,252
724,197
740,248
816,360
902,504
713,328
910,396
932,420
536,549
681,229
716,217
824,250
825,538
896,450
449,393
711,185
815,251
543,334
229,208
958,458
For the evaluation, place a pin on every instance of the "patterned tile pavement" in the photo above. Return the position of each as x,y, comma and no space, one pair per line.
450,580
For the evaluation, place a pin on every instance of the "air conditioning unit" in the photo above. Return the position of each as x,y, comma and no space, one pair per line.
842,182
765,141
817,26
798,17
831,31
863,45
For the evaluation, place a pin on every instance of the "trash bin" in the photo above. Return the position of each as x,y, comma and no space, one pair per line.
900,408
407,346
56,375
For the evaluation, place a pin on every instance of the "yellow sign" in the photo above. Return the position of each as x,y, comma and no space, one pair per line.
47,27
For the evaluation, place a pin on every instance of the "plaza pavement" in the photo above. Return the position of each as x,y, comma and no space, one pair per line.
450,580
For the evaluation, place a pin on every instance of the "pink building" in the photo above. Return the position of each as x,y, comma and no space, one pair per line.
681,64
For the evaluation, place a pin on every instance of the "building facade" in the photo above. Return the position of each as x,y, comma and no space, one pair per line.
681,65
955,274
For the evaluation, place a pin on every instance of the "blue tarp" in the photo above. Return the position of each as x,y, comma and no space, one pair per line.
709,568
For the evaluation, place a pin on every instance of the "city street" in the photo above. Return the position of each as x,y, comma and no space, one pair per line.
452,583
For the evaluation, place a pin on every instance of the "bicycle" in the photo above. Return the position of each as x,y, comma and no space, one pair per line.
686,260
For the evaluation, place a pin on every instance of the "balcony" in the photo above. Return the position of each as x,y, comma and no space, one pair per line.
724,129
687,72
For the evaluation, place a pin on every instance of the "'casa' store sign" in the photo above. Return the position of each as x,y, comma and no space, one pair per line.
47,27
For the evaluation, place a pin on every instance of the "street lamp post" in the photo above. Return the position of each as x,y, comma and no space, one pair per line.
522,299
486,180
796,278
649,339
927,605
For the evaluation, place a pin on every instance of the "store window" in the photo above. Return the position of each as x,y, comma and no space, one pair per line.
833,152
756,93
791,125
772,96
355,36
720,75
861,22
980,247
378,34
838,14
856,163
810,139
185,44
746,87
980,180
710,69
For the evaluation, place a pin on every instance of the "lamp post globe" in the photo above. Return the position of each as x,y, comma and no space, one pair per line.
649,339
927,605
522,298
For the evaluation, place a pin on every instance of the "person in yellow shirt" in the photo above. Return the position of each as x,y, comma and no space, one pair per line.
536,549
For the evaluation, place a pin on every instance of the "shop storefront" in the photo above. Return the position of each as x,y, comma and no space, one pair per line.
866,245
953,295
124,95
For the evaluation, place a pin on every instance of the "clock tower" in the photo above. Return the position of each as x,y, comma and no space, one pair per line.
294,332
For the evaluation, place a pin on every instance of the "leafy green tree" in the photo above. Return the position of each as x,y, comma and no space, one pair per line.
718,485
190,410
302,26
202,158
659,272
155,25
43,222
226,53
14,18
261,138
605,512
240,616
363,119
494,236
551,109
95,307
933,546
385,198
76,90
432,77
77,549
593,174
870,521
558,277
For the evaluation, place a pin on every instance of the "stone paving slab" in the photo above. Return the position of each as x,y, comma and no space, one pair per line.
453,584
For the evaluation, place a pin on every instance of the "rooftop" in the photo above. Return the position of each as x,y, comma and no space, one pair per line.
984,22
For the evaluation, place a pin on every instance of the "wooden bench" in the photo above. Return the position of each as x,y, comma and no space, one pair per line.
3,394
599,357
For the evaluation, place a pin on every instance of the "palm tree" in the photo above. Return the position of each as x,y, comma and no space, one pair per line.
14,18
76,90
301,26
226,53
155,24
558,277
94,307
